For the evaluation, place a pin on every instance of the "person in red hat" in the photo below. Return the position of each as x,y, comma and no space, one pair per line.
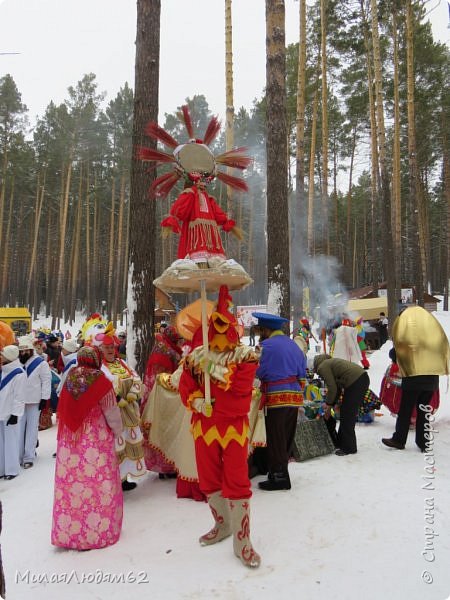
220,428
128,388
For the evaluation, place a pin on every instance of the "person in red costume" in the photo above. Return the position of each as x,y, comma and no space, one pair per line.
221,439
200,217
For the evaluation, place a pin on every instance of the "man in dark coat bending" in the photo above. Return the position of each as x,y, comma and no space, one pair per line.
351,379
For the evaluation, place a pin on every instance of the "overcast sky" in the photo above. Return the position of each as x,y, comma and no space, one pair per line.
61,40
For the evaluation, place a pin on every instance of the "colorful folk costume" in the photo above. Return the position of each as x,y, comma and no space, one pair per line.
164,358
168,439
361,339
128,389
422,353
221,439
88,499
304,332
93,325
282,368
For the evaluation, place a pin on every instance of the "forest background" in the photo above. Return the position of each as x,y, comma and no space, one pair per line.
359,158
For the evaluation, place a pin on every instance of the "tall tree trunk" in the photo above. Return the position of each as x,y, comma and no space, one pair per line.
48,263
6,247
88,245
323,31
231,241
348,260
300,211
446,216
276,147
374,163
388,250
414,182
141,295
76,252
60,280
396,172
3,195
124,285
111,246
337,247
355,256
95,246
311,187
119,253
40,191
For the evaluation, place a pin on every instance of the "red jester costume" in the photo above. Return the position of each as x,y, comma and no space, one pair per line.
221,440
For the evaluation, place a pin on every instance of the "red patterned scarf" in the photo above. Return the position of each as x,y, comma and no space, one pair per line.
83,389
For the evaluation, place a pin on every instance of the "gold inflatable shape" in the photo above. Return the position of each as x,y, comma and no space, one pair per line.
421,344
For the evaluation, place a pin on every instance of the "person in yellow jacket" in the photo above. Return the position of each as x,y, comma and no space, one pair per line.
423,353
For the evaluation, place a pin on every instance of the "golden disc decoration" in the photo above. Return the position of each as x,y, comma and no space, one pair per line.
421,344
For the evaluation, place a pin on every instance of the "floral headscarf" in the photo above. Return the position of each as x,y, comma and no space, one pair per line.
166,353
87,371
83,389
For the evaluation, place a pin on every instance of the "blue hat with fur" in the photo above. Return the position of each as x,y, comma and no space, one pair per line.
269,321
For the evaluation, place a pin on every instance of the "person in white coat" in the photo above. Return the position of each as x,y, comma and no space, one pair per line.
69,357
346,344
11,409
37,391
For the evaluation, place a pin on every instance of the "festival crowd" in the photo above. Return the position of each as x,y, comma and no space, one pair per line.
232,410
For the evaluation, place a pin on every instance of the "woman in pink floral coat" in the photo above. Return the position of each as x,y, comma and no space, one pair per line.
88,500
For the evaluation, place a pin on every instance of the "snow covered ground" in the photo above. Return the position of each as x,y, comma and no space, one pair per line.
374,525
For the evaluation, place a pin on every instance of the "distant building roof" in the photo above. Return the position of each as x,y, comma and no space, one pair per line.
369,292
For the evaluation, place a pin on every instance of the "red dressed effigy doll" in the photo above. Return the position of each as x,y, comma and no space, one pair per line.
201,219
195,215
221,438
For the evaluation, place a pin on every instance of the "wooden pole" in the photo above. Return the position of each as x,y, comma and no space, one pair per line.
208,407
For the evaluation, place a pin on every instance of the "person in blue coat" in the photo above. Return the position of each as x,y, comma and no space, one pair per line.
282,367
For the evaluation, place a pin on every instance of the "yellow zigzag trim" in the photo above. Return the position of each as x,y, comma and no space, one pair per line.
213,434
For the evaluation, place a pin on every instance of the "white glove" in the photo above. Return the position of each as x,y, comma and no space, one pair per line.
197,404
218,372
200,406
